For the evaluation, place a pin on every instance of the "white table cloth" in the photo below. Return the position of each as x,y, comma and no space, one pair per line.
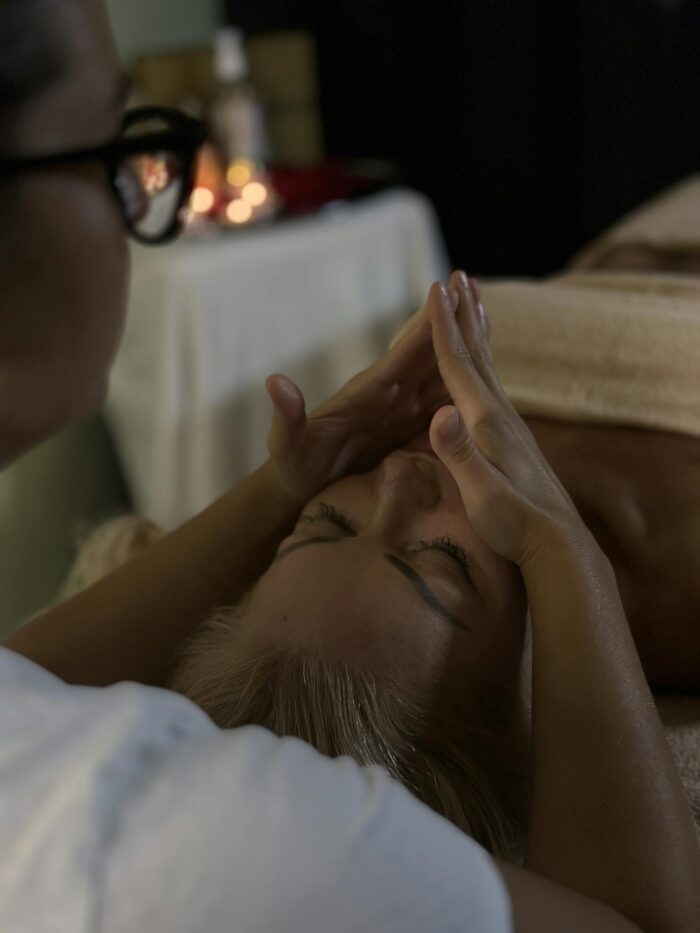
316,299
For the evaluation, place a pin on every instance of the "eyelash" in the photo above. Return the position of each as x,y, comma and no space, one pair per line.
449,547
325,512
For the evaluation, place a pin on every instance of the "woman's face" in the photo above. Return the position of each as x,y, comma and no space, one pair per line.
384,570
63,256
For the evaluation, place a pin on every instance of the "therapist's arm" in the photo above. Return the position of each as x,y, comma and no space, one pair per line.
609,816
130,625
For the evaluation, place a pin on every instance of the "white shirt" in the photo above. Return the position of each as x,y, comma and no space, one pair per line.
126,809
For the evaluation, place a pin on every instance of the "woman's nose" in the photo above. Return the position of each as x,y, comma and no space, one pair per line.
404,485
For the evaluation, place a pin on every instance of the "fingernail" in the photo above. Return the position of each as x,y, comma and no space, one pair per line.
482,315
450,427
443,292
463,278
288,389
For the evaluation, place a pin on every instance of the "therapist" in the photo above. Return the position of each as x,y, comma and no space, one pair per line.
122,806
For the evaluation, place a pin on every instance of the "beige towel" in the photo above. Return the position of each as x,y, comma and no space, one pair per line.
668,225
600,347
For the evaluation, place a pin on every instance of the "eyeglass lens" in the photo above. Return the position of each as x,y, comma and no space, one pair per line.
151,184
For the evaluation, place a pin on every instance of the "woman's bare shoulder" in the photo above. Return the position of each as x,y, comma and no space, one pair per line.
638,491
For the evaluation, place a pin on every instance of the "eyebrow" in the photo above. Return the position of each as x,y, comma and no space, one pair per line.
418,583
425,592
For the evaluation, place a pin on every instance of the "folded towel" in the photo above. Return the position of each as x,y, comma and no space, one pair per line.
600,347
106,548
668,225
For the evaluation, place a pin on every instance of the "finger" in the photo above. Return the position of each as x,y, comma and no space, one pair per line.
459,374
486,320
434,395
286,397
421,316
407,354
288,426
407,365
474,325
452,442
475,389
414,321
460,279
470,323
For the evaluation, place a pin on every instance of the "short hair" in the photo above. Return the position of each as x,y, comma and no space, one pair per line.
341,709
30,54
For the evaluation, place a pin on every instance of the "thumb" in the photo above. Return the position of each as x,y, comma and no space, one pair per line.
451,440
454,445
477,479
288,427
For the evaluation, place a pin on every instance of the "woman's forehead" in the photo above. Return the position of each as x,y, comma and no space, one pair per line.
345,599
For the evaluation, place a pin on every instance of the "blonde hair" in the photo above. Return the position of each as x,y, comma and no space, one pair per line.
342,710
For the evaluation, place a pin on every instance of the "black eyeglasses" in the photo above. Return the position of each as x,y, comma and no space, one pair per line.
151,169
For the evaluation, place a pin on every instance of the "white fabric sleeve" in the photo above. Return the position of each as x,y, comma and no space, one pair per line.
242,831
125,809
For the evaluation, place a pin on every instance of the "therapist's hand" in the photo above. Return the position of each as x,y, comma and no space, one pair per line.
377,411
512,496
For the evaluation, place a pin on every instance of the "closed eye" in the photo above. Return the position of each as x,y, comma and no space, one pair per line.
463,560
328,513
324,512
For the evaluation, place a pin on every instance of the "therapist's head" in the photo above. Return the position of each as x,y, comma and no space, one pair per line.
63,257
64,211
385,629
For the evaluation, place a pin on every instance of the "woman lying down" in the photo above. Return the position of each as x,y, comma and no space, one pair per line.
392,625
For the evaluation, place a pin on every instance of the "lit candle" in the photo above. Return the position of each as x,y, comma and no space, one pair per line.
240,173
203,200
255,193
239,212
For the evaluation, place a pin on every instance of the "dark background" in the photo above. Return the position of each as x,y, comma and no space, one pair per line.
532,124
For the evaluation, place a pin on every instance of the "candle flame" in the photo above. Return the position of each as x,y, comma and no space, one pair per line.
239,212
255,193
202,200
239,173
